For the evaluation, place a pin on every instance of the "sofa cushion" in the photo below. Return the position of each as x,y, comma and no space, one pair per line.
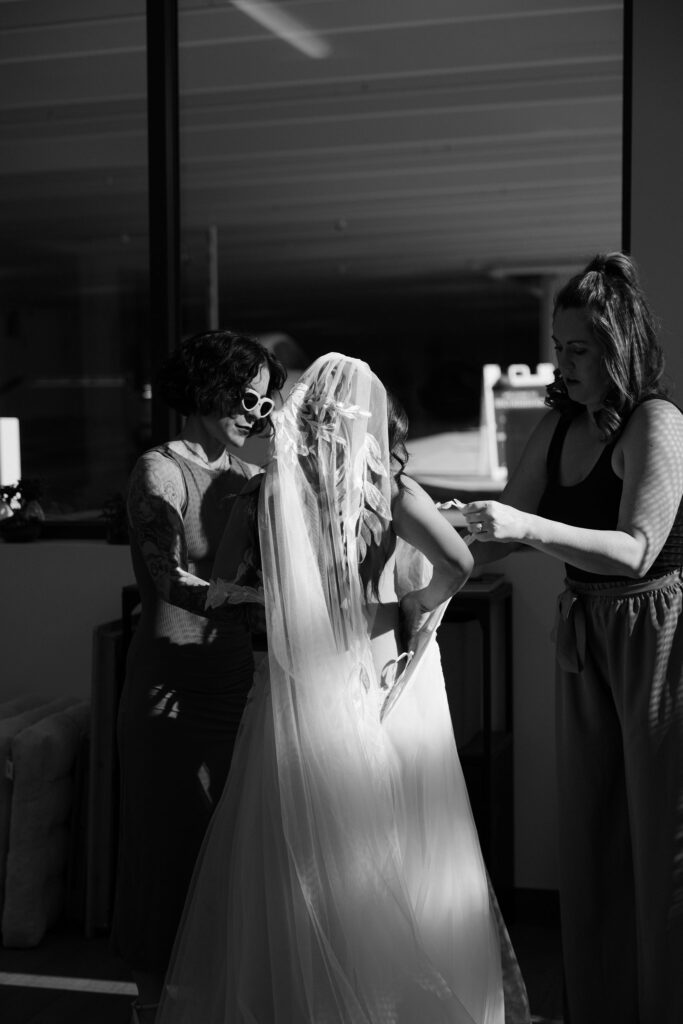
16,715
43,757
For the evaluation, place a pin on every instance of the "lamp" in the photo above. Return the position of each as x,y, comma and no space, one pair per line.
10,450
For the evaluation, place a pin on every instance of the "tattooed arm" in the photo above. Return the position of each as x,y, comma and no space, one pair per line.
156,496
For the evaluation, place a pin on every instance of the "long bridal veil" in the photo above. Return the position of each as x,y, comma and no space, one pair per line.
341,880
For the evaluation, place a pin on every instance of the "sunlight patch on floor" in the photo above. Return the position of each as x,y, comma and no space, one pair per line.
112,988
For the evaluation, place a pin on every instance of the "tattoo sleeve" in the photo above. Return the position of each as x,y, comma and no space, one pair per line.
155,500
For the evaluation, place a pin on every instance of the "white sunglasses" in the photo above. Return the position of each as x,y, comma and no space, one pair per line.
259,405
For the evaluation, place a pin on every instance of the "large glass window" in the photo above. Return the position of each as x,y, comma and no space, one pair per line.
399,180
73,263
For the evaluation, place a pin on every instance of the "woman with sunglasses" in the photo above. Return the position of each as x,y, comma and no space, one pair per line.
189,669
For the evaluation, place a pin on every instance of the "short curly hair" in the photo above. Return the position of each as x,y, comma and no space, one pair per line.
208,372
609,291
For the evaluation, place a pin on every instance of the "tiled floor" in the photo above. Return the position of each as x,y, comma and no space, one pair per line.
82,982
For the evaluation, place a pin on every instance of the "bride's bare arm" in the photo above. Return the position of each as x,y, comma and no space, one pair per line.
417,521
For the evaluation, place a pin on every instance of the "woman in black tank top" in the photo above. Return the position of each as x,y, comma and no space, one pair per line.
599,487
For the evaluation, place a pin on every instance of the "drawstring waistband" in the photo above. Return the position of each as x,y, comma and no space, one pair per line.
569,632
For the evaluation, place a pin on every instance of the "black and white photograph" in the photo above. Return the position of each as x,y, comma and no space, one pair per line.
341,512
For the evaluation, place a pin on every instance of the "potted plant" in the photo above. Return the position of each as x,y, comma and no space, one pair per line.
21,514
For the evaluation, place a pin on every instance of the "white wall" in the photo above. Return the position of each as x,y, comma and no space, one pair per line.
536,581
656,202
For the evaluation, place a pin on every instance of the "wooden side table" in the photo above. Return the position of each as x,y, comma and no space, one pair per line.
487,759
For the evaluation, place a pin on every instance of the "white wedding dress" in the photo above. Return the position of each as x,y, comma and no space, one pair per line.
341,880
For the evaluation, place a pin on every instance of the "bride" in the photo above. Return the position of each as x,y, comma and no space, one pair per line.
341,880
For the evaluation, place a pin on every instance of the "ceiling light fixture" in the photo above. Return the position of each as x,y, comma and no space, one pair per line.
285,27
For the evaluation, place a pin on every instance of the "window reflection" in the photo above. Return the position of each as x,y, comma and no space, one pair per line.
402,187
73,265
404,191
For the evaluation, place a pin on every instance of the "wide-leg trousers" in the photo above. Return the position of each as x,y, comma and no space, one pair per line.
620,774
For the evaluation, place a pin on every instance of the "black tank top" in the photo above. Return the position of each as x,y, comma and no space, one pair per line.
593,503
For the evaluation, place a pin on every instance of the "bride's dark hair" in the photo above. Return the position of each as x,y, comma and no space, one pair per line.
378,554
397,428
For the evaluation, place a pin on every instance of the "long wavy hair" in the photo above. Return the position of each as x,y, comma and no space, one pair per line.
609,292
